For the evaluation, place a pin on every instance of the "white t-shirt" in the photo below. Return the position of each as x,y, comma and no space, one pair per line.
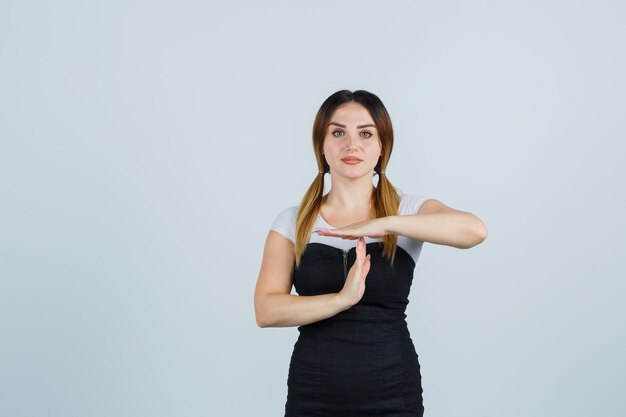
285,224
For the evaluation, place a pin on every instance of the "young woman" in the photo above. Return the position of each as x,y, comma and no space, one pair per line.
350,255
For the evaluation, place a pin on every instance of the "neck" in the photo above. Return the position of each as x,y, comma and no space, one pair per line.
350,194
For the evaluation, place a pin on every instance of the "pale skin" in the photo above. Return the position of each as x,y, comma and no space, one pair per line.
346,207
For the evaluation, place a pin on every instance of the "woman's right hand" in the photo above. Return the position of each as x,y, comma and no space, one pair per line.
354,287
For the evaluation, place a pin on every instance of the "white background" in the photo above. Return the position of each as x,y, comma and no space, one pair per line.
146,147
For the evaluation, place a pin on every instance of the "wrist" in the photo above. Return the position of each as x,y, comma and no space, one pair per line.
389,226
341,303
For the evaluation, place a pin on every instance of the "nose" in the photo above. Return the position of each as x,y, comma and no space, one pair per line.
353,142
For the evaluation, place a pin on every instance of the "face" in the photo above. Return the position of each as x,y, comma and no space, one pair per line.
352,134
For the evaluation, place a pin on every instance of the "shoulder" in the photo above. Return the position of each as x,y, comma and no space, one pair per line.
410,203
414,203
287,213
285,222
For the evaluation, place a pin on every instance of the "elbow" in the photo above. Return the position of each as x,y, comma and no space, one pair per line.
262,321
261,317
478,235
481,232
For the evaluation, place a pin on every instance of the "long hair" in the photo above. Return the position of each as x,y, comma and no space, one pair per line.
385,198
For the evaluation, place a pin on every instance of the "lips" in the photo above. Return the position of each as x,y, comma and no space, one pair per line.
351,159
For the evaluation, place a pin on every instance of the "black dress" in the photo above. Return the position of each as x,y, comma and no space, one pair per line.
362,361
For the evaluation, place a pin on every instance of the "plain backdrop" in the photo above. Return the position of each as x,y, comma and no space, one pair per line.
146,147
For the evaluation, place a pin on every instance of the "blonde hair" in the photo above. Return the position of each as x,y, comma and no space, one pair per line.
385,198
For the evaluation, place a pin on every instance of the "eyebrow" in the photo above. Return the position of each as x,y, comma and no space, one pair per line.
358,127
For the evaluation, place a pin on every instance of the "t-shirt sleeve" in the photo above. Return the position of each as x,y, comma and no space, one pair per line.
411,203
285,223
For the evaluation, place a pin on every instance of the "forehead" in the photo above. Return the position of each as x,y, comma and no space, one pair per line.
351,114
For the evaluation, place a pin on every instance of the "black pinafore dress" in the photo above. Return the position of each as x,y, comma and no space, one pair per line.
362,361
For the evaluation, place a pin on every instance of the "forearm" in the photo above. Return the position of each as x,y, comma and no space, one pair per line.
284,310
461,230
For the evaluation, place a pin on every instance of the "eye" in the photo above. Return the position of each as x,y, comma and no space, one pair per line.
368,133
336,131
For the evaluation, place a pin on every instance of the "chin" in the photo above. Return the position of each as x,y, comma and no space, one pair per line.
355,175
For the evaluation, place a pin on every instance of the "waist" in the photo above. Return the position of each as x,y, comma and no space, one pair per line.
352,334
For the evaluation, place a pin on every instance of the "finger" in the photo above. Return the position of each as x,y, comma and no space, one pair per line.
361,249
368,263
359,254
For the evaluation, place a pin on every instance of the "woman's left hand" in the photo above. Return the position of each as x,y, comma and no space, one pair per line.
374,228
